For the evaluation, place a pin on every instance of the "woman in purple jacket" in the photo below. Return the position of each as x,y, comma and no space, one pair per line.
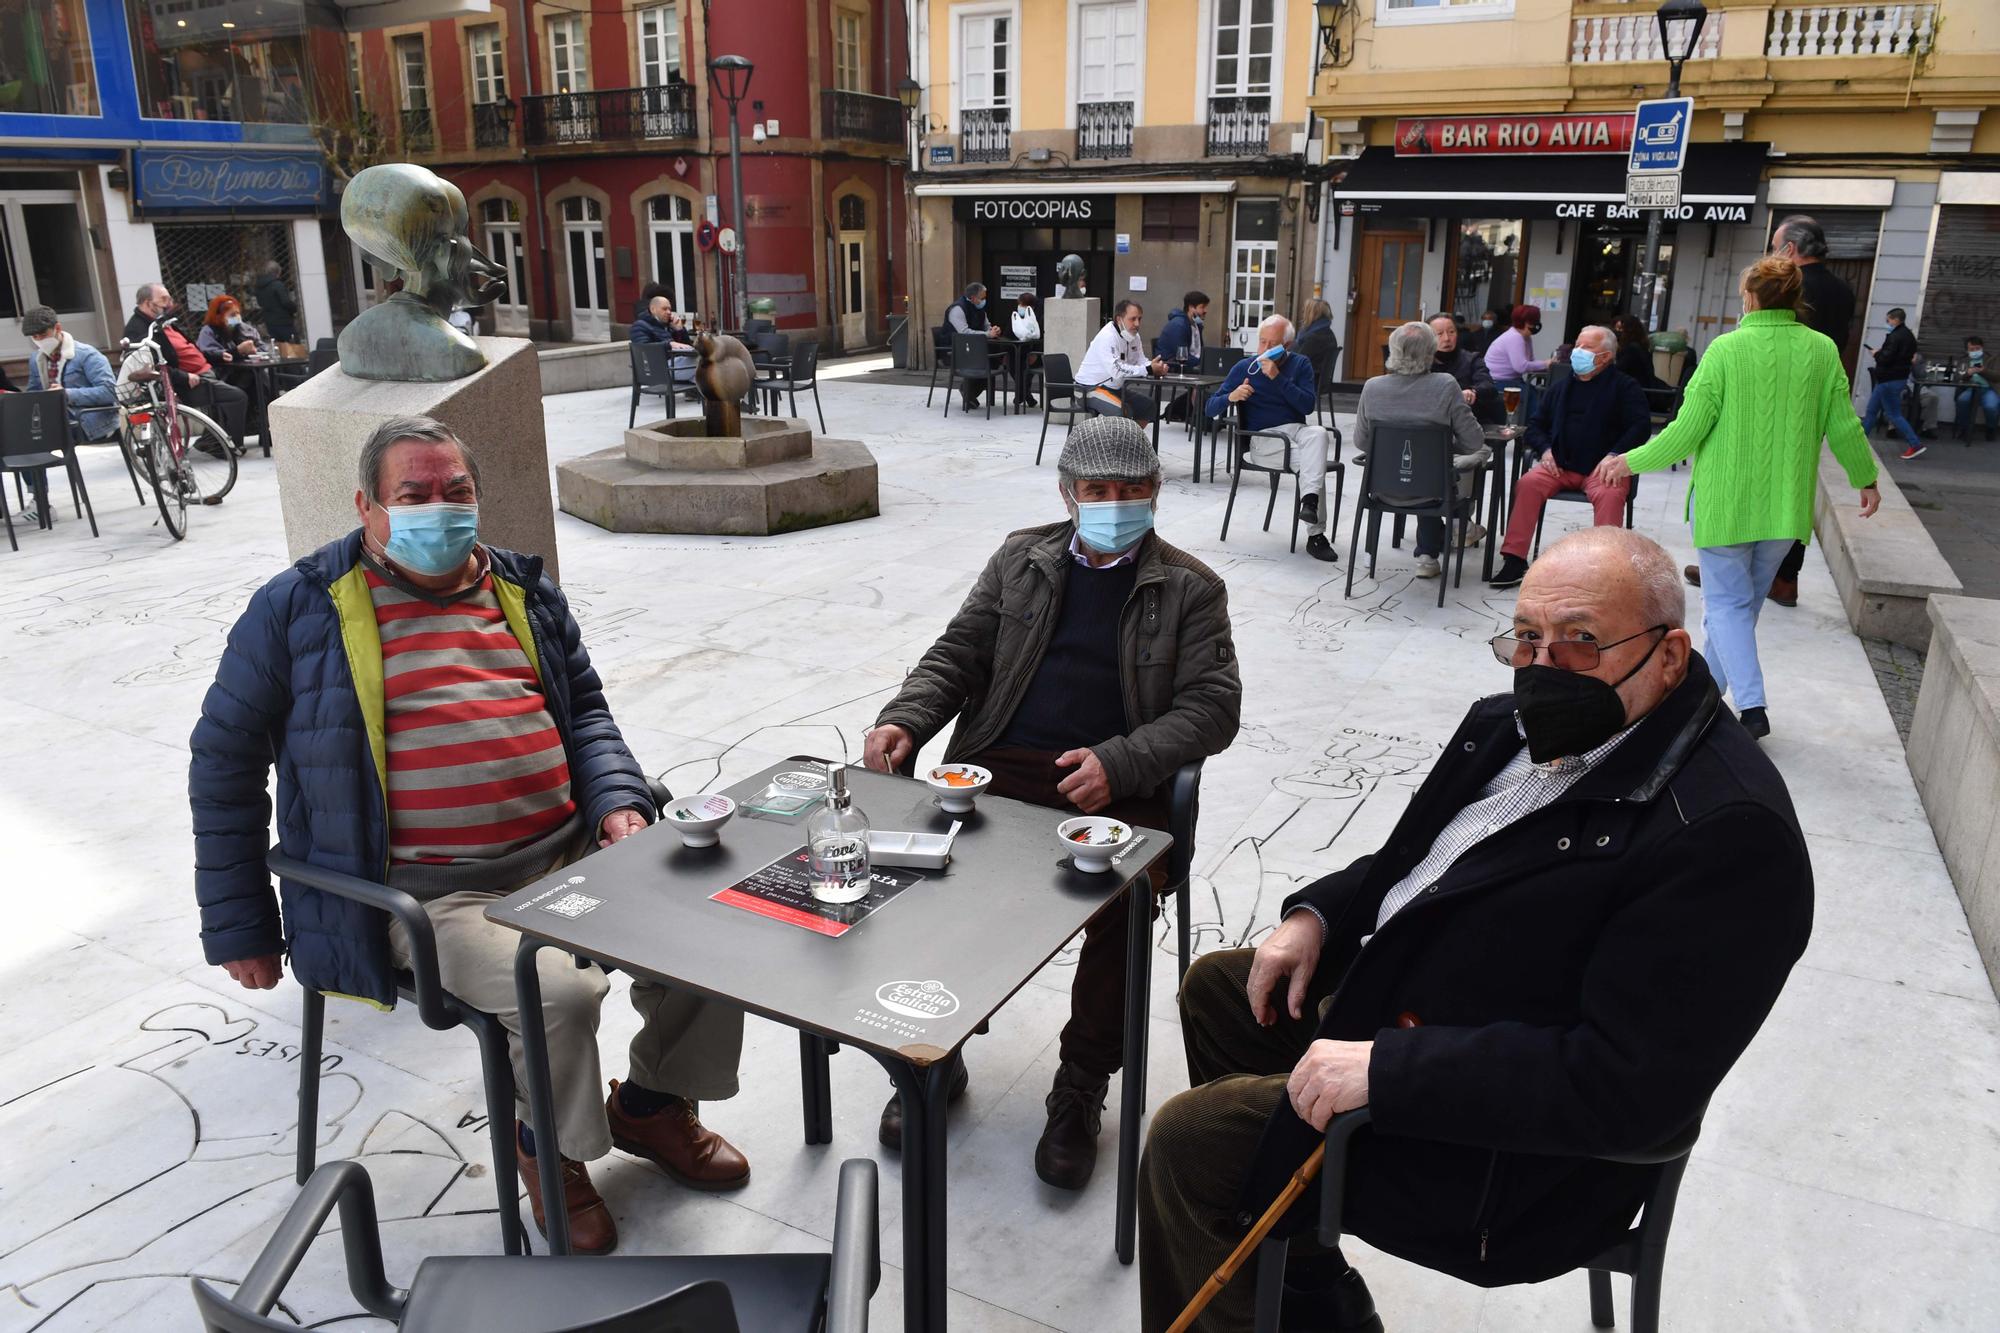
1511,356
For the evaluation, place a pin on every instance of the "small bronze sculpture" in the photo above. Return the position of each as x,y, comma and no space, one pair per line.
723,376
1069,276
413,222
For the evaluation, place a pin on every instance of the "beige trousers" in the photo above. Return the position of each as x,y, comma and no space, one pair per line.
686,1045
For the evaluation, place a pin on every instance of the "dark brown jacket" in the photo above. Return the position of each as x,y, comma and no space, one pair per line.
1183,698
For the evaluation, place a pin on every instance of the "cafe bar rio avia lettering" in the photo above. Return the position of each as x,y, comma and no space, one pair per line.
1465,136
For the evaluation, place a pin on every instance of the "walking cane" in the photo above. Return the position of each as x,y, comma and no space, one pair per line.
1248,1246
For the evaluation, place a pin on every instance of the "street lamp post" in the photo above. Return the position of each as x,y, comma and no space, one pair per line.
911,94
730,76
1680,28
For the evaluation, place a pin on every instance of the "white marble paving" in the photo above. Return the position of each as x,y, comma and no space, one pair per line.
1846,1179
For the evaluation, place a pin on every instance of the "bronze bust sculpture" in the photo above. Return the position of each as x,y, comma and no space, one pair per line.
412,221
723,376
1069,273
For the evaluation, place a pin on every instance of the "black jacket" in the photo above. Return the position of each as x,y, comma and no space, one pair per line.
1471,373
280,310
1827,305
1583,979
1616,419
1319,346
1893,357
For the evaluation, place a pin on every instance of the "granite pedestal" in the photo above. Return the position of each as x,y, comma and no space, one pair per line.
1068,326
671,476
319,428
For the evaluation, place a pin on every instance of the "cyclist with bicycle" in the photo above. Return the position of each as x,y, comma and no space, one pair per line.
194,380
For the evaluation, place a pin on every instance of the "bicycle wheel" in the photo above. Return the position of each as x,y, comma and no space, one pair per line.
207,457
172,487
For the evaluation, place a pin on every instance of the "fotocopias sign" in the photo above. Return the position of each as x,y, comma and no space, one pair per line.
1476,136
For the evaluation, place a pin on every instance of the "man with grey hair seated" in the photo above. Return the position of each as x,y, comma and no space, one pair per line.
1412,392
1549,964
1595,410
968,315
1274,392
436,725
1090,661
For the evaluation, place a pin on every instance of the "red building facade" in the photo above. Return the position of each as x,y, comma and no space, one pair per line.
591,148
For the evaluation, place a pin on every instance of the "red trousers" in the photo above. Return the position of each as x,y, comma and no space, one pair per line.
1537,484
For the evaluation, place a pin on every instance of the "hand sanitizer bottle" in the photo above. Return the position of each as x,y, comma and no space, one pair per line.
837,842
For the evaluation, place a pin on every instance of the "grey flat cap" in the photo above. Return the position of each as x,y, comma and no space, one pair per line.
1108,449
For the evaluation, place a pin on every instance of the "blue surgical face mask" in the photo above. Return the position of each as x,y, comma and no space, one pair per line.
1581,361
1976,356
432,539
1112,526
1485,323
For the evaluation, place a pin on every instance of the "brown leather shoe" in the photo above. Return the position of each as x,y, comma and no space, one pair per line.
1067,1152
1692,573
675,1140
591,1230
1785,592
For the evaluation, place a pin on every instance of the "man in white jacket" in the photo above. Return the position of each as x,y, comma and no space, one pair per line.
1116,354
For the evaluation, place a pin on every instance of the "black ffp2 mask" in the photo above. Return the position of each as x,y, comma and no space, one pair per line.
1567,713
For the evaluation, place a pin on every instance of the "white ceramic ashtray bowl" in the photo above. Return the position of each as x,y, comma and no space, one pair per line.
699,819
958,785
1092,840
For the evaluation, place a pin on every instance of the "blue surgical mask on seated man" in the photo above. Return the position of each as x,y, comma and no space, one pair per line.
432,539
1112,526
1582,361
1485,323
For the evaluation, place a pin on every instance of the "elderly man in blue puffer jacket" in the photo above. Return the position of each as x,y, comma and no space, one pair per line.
436,725
78,369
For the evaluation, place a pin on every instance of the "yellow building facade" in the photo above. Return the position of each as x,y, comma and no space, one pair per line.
1451,186
1161,140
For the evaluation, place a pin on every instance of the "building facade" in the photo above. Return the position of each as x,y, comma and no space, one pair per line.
593,152
1161,140
1881,120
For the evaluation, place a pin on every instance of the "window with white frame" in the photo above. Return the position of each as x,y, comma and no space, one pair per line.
986,48
1390,13
489,63
659,45
569,65
849,64
414,77
354,78
1244,34
1108,52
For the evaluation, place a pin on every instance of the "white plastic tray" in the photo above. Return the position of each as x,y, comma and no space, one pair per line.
930,851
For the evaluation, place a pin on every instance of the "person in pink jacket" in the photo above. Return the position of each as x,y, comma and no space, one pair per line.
1511,356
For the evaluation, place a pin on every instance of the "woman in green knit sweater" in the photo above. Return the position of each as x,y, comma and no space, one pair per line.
1753,417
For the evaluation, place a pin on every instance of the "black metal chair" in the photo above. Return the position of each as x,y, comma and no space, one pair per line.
437,1007
324,353
1409,474
34,437
653,375
801,373
940,360
1058,382
640,1294
1183,813
972,362
1218,360
1641,1253
1240,438
1583,497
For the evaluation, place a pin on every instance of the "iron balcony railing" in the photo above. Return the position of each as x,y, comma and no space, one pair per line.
1238,126
1103,129
492,124
983,134
863,116
418,136
665,111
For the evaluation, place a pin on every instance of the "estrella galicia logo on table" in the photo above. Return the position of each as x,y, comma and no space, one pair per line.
918,999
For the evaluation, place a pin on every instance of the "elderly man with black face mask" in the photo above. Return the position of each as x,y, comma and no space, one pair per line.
1090,661
1574,930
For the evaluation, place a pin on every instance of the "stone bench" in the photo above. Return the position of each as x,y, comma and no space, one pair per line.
596,366
1884,567
1954,755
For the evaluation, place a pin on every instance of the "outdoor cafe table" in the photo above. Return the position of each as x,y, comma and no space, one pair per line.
908,984
1196,383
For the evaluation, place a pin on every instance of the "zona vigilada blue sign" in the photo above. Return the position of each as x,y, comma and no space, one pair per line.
219,179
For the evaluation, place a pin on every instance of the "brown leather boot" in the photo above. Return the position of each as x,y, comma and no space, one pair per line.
1067,1153
591,1230
675,1140
1784,591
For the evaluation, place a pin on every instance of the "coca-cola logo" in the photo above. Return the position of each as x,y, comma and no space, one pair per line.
918,999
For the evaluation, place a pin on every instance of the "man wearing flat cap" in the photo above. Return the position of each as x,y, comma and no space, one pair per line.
1090,661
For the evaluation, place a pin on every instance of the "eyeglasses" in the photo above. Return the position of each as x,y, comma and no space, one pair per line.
1564,654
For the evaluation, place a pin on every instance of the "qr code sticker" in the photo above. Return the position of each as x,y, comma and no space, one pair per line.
572,905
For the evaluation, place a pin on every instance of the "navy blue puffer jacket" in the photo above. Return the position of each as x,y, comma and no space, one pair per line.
286,693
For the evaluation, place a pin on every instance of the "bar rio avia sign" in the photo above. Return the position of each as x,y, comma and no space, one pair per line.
1043,210
1463,136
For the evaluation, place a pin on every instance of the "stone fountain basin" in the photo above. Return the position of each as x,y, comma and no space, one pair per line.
679,444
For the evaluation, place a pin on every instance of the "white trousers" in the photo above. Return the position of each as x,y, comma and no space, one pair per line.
1310,444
